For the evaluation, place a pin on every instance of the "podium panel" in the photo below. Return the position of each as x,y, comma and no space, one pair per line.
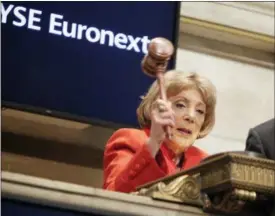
31,196
18,208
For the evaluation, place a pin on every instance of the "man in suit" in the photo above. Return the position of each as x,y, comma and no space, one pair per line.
261,139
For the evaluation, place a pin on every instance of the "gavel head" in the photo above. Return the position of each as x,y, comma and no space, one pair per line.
160,51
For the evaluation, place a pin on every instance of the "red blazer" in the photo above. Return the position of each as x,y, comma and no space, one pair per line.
128,162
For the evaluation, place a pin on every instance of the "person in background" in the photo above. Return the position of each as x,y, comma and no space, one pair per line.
133,157
260,139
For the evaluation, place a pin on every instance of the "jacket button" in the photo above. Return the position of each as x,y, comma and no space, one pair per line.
132,174
143,161
137,167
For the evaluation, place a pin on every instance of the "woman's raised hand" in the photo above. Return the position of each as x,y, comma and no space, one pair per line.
162,115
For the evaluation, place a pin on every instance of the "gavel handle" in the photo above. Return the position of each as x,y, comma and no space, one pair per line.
160,79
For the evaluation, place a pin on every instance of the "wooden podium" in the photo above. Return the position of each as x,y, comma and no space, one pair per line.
231,183
32,196
224,184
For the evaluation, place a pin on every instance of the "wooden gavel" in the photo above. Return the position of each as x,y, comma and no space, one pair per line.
154,64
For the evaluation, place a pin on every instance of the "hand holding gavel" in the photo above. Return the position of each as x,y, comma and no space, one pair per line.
155,63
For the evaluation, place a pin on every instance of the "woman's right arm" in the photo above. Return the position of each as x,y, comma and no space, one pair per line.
128,162
129,157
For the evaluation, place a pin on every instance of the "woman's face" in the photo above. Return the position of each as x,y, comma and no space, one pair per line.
189,111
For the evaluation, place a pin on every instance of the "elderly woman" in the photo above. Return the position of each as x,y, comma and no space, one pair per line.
134,157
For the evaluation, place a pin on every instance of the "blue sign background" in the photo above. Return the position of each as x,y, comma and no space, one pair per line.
76,78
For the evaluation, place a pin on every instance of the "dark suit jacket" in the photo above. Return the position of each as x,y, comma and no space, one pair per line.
261,139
